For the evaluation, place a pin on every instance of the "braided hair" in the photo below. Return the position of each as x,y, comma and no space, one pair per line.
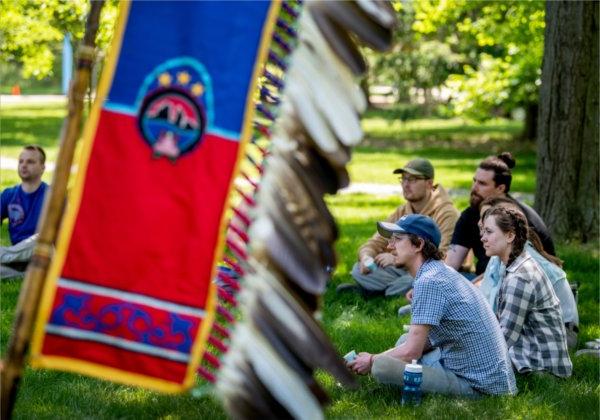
509,220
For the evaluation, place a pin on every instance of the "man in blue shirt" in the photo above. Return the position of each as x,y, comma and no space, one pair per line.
453,332
22,205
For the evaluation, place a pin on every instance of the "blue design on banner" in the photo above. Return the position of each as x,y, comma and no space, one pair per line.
75,311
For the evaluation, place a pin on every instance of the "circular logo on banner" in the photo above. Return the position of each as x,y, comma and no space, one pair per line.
171,122
172,116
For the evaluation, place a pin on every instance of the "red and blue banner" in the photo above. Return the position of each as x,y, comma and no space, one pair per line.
129,295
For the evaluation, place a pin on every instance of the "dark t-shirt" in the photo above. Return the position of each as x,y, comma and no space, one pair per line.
466,233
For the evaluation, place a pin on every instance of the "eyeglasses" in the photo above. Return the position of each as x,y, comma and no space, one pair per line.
411,179
395,238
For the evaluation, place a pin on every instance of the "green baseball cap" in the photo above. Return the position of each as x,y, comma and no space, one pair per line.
419,167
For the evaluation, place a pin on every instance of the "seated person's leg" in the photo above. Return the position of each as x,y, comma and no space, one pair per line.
20,252
391,280
436,379
7,272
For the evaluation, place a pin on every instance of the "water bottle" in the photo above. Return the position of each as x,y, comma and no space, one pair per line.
413,376
370,264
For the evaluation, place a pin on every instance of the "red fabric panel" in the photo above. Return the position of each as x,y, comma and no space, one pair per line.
147,223
114,357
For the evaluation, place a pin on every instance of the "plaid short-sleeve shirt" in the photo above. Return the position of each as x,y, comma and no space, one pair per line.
530,318
463,327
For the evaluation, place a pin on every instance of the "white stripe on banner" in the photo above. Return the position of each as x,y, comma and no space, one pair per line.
122,343
131,297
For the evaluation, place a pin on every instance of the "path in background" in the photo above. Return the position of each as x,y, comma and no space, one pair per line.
381,190
31,99
12,163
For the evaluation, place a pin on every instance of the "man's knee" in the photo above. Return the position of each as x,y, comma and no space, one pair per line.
20,252
388,370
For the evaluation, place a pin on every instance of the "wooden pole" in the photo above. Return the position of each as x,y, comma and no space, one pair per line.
29,297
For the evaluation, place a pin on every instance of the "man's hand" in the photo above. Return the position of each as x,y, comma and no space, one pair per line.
385,259
477,280
409,295
363,268
362,364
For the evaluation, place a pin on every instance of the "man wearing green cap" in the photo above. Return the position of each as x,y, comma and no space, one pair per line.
376,272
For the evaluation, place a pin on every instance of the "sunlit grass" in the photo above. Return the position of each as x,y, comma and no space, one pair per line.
372,325
351,321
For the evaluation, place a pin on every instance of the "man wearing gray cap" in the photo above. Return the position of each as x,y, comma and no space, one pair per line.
375,272
454,334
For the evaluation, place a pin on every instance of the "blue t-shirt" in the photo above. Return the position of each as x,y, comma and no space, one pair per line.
23,210
463,327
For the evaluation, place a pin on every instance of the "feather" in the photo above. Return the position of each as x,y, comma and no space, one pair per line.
329,62
356,20
282,382
296,326
328,97
379,10
339,41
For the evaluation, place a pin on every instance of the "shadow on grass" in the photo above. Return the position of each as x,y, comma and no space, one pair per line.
48,394
43,131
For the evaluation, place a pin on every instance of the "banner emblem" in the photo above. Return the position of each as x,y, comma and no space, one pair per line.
173,118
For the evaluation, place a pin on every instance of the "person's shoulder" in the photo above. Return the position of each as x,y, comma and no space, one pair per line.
10,190
435,271
400,211
524,268
531,215
468,213
441,200
467,217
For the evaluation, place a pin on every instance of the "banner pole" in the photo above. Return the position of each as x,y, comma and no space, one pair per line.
31,289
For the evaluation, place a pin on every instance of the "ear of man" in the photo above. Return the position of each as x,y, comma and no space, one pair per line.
421,245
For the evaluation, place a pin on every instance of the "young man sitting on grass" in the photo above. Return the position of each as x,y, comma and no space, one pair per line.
22,205
454,333
422,196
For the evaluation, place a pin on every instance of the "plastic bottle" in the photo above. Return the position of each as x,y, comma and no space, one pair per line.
370,263
413,376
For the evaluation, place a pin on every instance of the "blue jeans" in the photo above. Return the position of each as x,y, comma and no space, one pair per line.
393,281
436,378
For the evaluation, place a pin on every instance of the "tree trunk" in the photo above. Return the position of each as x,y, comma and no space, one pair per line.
567,167
531,122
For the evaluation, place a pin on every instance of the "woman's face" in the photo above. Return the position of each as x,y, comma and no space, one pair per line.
482,210
496,242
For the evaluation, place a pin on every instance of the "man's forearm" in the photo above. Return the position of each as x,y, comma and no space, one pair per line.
456,256
415,345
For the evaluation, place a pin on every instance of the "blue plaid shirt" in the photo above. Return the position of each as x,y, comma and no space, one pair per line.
464,328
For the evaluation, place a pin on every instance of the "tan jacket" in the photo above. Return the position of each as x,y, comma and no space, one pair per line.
439,208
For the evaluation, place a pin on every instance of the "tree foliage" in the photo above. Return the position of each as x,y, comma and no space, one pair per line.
488,53
412,62
31,31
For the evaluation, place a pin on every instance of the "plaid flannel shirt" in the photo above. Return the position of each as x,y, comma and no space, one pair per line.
531,320
463,327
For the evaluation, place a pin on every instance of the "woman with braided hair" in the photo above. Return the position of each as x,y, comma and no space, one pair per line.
527,307
550,265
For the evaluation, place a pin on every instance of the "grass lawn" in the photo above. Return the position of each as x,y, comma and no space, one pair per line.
351,321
